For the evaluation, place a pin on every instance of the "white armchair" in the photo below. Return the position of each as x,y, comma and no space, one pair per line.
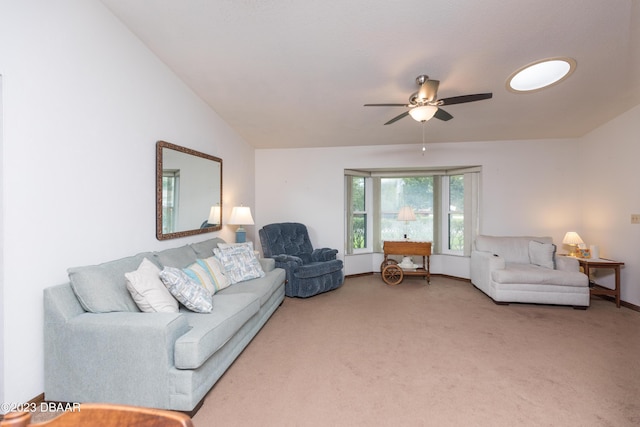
526,269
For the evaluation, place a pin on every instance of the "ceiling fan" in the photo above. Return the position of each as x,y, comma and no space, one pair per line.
423,105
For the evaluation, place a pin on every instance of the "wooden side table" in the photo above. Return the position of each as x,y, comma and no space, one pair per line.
587,264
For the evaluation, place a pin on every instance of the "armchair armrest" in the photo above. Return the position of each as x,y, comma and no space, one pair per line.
482,264
324,254
289,263
494,261
283,260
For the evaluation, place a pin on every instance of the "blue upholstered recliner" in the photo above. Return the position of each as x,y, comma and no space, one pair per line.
309,271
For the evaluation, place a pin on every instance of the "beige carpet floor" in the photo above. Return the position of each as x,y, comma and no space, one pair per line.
369,354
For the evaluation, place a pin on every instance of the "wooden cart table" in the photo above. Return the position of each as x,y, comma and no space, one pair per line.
392,273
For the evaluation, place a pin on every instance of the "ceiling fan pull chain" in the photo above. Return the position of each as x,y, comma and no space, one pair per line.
424,147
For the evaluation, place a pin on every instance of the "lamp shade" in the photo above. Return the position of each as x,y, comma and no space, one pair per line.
214,215
423,113
406,214
572,238
241,215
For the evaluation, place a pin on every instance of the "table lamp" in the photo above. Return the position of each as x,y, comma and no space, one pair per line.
406,214
572,240
241,215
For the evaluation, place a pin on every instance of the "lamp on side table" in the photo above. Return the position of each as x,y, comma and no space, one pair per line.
241,215
572,240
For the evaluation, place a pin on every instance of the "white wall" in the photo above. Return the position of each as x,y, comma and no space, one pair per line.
526,188
84,103
610,194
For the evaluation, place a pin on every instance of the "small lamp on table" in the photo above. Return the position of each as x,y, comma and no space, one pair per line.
572,240
406,214
241,215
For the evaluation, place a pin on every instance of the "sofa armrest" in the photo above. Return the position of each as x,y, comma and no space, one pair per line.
324,254
113,349
267,264
567,263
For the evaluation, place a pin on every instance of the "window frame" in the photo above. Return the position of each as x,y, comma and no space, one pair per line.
367,212
441,211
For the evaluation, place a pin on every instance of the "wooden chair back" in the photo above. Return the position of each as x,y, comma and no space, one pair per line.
103,415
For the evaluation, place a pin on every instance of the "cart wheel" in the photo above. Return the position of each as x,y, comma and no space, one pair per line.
387,262
392,274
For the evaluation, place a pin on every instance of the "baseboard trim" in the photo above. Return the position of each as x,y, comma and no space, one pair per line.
38,399
432,275
358,275
622,303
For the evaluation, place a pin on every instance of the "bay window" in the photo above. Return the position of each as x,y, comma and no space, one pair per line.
445,204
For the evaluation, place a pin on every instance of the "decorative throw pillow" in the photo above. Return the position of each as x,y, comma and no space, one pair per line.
542,254
239,262
215,269
224,245
148,291
200,274
190,294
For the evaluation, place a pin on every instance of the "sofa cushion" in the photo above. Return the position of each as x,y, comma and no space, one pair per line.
542,254
316,269
209,332
263,287
189,293
511,248
533,274
148,291
175,257
102,288
205,249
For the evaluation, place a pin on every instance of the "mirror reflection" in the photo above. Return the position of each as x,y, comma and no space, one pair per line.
188,191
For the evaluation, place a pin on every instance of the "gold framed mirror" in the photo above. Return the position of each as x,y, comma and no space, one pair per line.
188,192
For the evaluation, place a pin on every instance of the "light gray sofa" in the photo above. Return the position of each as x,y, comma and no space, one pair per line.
159,360
526,269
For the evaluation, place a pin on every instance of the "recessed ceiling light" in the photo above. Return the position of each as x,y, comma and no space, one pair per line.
541,74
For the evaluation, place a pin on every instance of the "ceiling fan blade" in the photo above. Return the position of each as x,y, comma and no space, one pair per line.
465,98
429,91
385,105
396,118
442,115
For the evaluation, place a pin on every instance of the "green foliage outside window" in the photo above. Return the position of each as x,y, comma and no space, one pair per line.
416,192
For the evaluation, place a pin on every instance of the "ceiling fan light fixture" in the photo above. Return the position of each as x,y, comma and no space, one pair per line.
541,74
423,113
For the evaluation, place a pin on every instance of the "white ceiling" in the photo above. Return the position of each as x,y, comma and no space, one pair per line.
293,73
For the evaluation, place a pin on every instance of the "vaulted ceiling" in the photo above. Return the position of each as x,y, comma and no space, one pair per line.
293,73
